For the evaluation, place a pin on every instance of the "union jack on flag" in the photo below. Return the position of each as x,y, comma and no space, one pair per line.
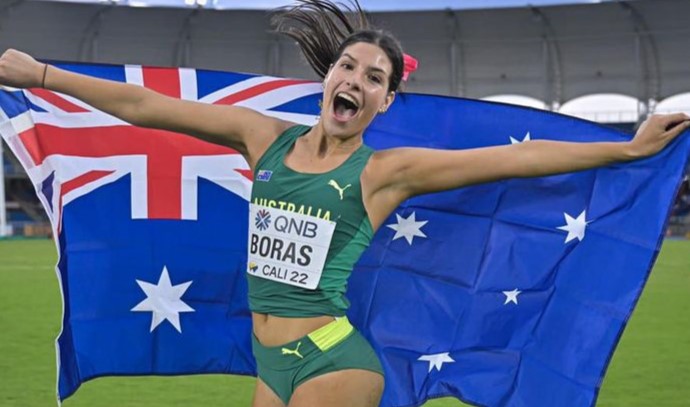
56,127
509,294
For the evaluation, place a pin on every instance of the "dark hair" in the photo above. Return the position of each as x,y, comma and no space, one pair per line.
323,31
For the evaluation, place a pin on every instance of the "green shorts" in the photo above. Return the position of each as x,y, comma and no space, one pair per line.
333,347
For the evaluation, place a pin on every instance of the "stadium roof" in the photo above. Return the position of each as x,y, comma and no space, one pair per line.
635,51
370,5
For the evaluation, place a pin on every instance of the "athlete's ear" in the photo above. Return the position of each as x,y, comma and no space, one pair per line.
390,98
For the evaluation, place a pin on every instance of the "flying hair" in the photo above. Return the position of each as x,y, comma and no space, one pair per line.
323,29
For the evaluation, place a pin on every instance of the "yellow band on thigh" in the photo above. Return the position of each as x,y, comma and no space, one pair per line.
331,334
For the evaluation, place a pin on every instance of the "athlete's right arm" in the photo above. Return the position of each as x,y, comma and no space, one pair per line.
242,129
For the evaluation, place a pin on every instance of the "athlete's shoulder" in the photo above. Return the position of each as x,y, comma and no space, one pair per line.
283,135
293,129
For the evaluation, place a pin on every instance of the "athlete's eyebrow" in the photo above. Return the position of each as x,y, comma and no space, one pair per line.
372,68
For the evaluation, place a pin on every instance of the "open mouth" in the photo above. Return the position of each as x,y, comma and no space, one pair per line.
345,107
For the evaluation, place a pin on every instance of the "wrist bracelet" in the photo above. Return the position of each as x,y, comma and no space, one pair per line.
45,71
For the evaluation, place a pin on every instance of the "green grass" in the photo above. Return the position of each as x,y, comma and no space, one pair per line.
650,368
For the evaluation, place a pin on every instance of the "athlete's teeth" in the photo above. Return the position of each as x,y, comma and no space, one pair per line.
348,98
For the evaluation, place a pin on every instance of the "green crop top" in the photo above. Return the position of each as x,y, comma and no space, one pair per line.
278,281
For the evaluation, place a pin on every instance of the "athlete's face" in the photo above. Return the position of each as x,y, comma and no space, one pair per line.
356,89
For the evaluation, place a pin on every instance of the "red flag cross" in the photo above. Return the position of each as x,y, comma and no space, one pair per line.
164,150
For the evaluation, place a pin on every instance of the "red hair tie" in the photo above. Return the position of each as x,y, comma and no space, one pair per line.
409,65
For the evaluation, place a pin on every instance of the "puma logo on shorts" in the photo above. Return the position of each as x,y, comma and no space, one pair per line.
286,351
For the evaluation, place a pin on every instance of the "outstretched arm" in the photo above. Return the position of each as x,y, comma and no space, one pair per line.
243,129
397,174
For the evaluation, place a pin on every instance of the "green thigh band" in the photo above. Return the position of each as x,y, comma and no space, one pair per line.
336,346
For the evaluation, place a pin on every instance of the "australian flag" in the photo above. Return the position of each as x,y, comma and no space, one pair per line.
513,293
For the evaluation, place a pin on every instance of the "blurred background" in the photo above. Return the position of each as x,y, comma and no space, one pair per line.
613,62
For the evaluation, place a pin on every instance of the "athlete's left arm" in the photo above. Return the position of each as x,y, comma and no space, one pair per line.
397,174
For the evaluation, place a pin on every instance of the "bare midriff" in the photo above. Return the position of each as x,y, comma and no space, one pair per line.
271,330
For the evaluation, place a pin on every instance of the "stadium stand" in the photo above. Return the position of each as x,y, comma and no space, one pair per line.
551,54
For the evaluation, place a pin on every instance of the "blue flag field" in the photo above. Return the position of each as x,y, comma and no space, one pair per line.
513,293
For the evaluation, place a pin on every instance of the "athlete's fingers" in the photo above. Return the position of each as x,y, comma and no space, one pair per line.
678,128
671,120
20,70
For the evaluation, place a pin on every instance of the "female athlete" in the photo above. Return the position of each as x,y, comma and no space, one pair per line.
326,181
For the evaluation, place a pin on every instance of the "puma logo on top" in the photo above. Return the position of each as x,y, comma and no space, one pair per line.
337,187
295,352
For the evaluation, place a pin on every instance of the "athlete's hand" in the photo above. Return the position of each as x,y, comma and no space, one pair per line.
656,132
20,70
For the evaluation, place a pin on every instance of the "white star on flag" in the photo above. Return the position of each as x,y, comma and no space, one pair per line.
511,296
516,141
407,228
437,360
575,226
164,301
